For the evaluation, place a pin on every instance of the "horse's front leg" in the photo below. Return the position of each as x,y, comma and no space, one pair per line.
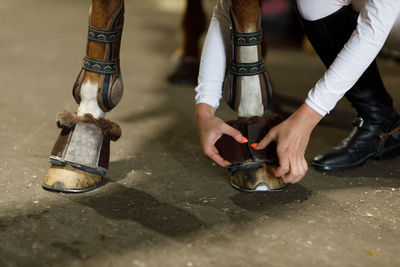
80,156
248,91
186,56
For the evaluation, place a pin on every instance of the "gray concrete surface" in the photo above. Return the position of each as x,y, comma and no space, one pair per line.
165,204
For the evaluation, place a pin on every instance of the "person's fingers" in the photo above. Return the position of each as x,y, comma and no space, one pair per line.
292,174
304,169
283,163
264,142
219,160
236,134
305,166
214,150
214,155
296,180
288,178
299,167
297,171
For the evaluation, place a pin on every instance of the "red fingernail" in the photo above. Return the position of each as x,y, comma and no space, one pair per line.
253,145
244,139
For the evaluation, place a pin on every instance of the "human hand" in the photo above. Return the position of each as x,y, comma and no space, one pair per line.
291,137
210,129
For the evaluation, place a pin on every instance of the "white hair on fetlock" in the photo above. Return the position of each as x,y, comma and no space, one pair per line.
251,98
89,103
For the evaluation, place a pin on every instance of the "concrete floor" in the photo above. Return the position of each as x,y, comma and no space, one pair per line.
165,204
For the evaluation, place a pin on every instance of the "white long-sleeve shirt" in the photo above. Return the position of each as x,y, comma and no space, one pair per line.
216,49
374,24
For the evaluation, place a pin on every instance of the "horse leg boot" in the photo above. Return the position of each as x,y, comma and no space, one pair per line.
186,57
80,156
373,133
248,92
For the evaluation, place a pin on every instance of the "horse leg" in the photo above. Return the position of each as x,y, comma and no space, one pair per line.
248,91
187,54
80,156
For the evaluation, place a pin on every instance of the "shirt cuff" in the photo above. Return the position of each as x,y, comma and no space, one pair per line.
315,107
206,93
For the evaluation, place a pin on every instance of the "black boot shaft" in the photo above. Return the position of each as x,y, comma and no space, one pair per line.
328,37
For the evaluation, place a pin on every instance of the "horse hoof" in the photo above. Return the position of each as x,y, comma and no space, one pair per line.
70,180
185,71
256,180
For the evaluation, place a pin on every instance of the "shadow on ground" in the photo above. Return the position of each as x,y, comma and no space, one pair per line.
164,192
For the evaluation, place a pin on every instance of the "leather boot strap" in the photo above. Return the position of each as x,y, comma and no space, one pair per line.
247,69
99,66
237,70
371,127
103,36
246,39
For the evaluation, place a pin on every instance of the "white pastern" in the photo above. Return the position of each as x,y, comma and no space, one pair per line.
89,101
251,98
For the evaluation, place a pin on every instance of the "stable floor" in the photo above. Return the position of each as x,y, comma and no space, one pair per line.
165,204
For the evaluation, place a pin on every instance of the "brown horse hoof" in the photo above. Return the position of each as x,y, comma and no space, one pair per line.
258,179
70,180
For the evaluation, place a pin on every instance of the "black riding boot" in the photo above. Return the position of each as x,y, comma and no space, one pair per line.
376,115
